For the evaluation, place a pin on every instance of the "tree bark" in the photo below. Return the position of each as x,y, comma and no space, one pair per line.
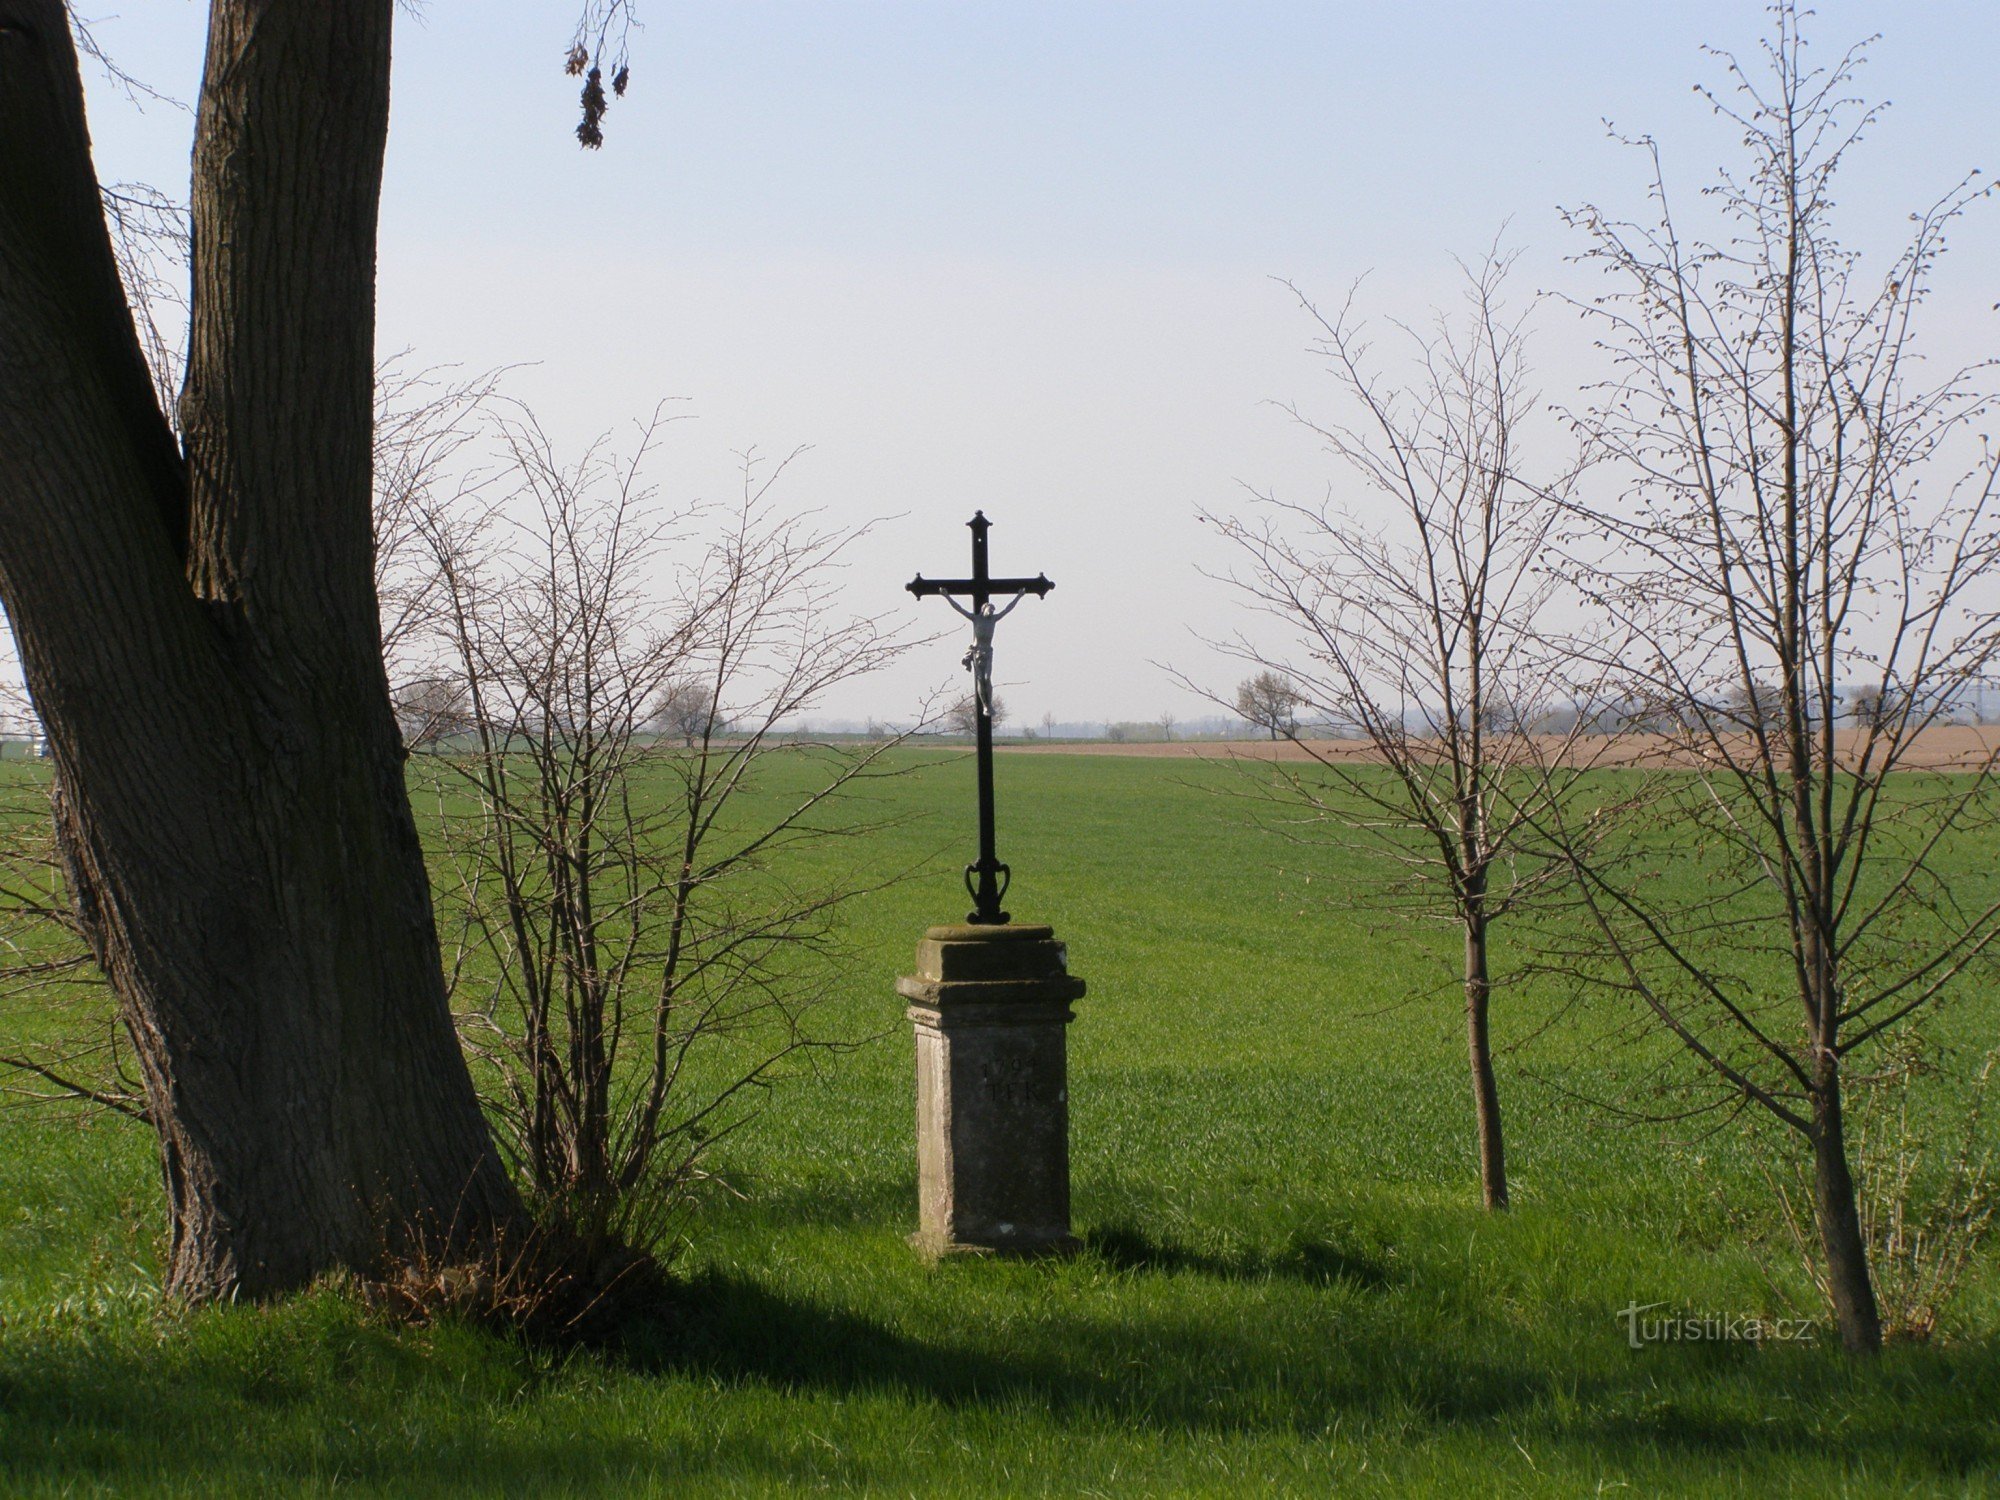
1485,1089
201,641
1835,1207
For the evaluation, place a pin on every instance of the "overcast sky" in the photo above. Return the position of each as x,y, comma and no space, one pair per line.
1020,255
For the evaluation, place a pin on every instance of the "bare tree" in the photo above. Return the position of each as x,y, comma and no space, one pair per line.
1269,700
1801,514
1427,637
622,900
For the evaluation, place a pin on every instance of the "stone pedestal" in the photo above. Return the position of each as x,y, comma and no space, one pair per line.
989,1005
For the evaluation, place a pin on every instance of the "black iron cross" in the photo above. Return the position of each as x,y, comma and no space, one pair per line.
987,881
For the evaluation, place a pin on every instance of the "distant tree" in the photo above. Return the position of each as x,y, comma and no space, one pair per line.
1753,706
1555,719
431,709
1269,700
685,710
1871,708
962,717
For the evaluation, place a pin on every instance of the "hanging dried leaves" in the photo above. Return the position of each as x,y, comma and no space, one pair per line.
599,45
590,132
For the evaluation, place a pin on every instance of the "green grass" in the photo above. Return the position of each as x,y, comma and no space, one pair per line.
1288,1286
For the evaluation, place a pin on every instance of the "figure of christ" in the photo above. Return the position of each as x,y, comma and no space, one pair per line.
979,660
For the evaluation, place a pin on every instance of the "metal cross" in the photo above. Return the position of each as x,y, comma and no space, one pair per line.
986,881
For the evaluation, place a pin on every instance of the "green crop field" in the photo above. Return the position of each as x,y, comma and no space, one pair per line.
1288,1285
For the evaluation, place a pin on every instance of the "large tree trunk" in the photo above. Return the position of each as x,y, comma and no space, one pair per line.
202,644
1485,1088
1834,1206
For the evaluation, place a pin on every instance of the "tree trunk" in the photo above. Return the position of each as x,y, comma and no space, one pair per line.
1834,1206
201,641
1485,1090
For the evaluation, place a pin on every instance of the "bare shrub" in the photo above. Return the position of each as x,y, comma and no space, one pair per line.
1929,1191
74,1047
630,952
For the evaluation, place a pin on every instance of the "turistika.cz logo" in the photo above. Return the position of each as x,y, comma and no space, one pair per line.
1710,1328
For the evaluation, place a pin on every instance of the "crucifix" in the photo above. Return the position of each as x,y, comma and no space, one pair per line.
987,880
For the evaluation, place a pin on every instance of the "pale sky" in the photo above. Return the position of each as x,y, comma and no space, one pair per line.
1019,255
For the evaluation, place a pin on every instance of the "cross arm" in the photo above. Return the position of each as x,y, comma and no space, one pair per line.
922,586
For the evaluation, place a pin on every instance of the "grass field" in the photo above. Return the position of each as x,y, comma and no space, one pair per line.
1288,1287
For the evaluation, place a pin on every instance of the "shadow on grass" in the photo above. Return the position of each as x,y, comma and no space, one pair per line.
1303,1259
315,1395
1164,1373
1922,1411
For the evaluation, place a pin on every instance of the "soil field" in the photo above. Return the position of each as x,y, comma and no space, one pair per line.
1952,747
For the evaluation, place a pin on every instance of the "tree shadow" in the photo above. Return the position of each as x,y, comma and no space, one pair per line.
402,1412
1303,1258
1925,1410
1916,1411
722,1327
